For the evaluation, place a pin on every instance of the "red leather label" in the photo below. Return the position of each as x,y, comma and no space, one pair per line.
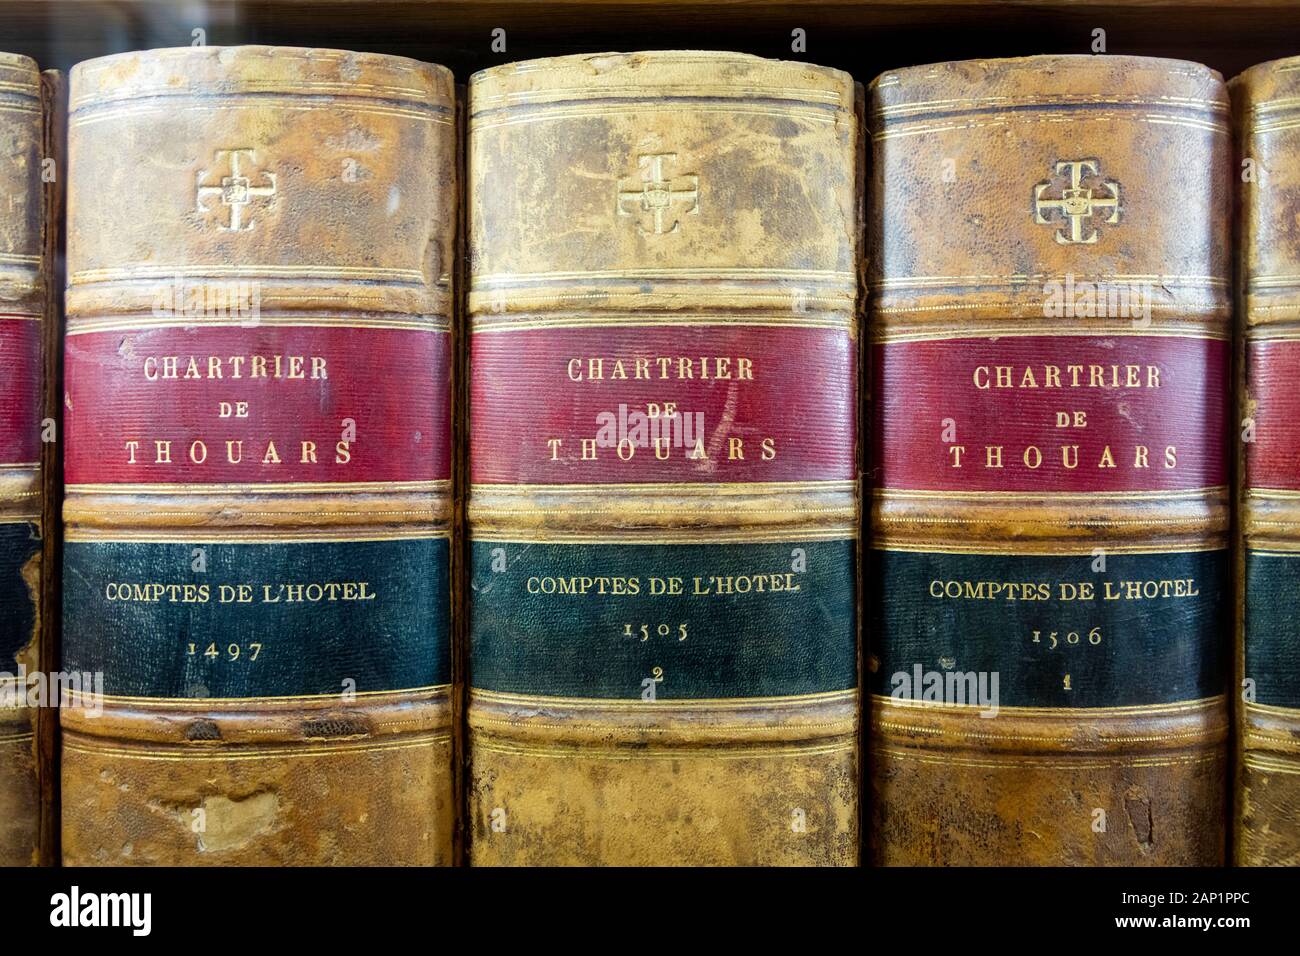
1273,454
20,391
265,403
662,404
1051,413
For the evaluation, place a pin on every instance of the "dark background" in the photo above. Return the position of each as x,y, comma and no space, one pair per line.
865,37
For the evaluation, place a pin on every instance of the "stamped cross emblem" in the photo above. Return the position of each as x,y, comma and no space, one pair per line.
1065,197
235,189
654,199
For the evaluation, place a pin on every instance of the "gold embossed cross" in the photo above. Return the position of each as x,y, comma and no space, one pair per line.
1077,203
236,189
654,194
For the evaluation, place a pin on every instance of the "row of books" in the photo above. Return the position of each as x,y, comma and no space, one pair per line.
653,458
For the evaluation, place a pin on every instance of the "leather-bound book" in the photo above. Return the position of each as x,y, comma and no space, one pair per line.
1049,316
1267,813
662,506
257,386
25,319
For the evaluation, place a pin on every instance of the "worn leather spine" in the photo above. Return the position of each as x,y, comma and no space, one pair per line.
24,270
1266,101
662,507
258,466
1049,314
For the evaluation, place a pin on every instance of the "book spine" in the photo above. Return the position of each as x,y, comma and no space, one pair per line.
1049,576
54,95
662,510
257,465
23,276
1267,102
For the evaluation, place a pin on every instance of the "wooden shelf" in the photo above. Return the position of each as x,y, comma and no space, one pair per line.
863,37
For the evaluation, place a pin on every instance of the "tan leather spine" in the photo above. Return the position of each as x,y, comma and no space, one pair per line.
23,317
54,88
974,225
662,200
1266,814
327,182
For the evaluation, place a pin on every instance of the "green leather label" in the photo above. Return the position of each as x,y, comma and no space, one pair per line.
198,619
663,621
19,543
1272,630
1050,630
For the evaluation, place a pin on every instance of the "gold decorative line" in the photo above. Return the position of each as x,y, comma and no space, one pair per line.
653,536
752,751
927,495
1001,332
937,734
1277,550
15,737
1021,303
1276,105
33,110
482,102
806,114
488,280
88,327
688,510
1076,713
499,725
199,750
1266,334
350,296
21,517
265,55
243,536
1063,100
711,488
1270,710
22,89
291,272
146,109
1276,127
1268,739
1290,494
1271,764
20,259
186,703
291,487
655,90
1027,278
426,511
1035,549
413,94
846,322
775,295
22,316
1088,762
1090,523
1156,119
662,59
21,465
534,701
1150,118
